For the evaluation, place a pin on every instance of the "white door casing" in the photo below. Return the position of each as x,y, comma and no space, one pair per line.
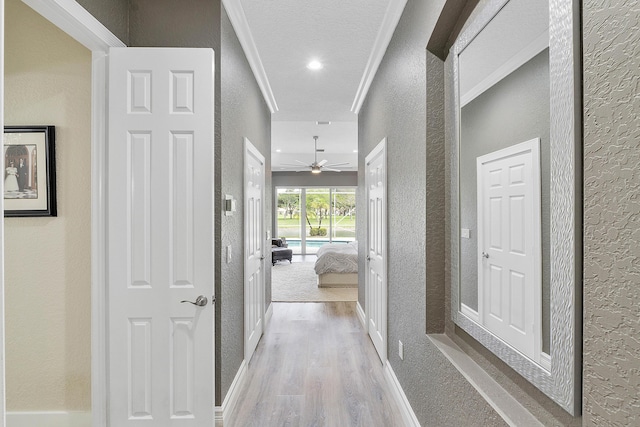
254,182
79,24
509,246
160,237
376,256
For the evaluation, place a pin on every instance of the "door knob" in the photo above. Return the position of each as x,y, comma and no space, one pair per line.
485,255
368,258
262,257
201,301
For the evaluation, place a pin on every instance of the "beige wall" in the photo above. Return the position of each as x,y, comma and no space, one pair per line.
611,212
47,261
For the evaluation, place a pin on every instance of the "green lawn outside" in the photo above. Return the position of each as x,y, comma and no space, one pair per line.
343,226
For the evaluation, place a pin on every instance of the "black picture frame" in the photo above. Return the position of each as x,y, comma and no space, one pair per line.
29,171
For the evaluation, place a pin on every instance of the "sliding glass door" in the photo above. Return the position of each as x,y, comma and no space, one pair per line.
316,221
288,214
308,218
343,219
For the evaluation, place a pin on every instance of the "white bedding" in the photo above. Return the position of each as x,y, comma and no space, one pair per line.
337,258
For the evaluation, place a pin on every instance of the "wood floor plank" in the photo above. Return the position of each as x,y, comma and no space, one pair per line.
315,366
288,411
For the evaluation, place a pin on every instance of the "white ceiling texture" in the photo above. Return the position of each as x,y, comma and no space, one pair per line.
280,38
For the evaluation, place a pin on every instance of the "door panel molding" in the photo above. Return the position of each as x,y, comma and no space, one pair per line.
254,247
161,237
376,281
510,252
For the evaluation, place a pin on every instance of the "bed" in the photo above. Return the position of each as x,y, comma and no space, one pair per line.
337,265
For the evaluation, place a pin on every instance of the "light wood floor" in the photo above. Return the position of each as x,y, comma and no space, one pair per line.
315,366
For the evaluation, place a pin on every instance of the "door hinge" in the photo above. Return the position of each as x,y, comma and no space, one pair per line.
213,299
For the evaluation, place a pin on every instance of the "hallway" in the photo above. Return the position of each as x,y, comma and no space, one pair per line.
315,366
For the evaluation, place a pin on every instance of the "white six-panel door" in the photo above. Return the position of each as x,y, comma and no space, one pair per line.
254,181
160,236
376,277
509,246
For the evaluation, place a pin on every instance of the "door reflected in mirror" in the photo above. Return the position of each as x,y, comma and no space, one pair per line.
504,94
515,188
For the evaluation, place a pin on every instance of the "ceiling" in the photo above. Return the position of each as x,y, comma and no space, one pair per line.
280,37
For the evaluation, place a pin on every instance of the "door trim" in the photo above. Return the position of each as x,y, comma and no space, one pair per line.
83,27
381,147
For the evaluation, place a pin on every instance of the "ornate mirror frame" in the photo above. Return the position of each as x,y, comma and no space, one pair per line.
562,382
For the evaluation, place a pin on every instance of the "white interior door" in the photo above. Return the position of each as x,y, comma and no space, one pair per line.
254,182
376,277
509,245
160,237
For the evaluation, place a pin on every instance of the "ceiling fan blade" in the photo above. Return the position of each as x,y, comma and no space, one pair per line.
302,163
331,170
338,164
322,162
295,166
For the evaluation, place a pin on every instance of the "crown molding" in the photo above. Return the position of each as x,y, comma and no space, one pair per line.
74,20
387,28
241,26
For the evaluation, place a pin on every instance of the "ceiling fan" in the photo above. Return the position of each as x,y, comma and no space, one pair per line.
317,166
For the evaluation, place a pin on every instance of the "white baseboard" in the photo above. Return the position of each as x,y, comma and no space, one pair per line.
231,399
268,314
49,419
408,416
361,315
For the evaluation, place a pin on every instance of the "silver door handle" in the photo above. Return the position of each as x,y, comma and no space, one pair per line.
368,258
485,255
201,301
262,257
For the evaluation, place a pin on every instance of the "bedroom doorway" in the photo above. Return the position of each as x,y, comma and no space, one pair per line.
306,219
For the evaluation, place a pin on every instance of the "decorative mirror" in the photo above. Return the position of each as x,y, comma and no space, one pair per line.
515,189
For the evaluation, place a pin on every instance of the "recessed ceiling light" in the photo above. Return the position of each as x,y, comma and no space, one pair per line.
278,150
355,151
314,65
323,123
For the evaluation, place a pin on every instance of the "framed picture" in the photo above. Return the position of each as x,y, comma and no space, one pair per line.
29,171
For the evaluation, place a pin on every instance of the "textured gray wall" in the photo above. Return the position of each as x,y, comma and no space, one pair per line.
244,114
170,23
611,49
113,14
304,179
396,108
435,197
515,110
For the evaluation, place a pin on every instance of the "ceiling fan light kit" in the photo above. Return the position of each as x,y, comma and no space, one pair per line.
318,166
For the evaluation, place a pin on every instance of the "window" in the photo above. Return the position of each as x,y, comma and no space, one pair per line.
310,217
